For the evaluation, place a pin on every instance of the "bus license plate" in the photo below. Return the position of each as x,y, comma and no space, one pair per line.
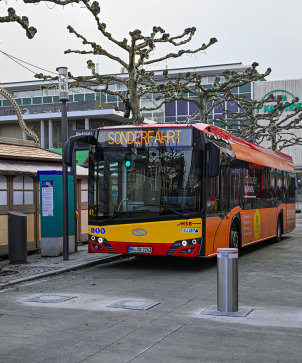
146,250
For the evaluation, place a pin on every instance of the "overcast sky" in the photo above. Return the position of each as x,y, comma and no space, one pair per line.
266,31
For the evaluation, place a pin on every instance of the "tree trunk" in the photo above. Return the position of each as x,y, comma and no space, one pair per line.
202,103
132,88
274,142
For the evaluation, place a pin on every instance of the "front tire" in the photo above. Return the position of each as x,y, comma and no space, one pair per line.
234,236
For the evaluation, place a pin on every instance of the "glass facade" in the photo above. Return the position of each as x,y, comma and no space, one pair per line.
47,100
178,111
175,111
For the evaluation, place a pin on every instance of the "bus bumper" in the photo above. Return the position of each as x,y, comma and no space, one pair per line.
157,249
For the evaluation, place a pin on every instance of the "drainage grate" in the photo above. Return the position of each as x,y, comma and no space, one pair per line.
212,310
133,304
49,298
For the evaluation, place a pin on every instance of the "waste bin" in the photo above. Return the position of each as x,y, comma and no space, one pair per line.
17,237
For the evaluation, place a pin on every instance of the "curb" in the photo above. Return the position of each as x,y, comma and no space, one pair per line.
65,269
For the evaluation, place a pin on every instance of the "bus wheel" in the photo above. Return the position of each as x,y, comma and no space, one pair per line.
279,230
234,236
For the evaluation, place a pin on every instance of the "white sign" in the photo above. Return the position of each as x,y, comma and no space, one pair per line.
47,199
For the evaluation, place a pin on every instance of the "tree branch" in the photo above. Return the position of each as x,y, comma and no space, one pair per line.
182,52
12,17
97,49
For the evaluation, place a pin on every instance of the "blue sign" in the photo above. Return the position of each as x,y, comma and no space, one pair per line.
103,230
190,230
92,230
46,184
98,230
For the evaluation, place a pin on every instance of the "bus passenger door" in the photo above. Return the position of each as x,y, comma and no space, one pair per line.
217,204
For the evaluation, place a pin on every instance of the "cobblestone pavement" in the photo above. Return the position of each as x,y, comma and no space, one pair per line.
38,266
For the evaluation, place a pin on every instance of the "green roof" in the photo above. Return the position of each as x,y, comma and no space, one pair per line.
81,155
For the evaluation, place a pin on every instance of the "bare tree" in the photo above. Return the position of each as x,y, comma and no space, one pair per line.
23,21
189,87
279,126
12,17
139,51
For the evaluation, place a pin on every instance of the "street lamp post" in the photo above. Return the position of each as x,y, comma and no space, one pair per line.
63,96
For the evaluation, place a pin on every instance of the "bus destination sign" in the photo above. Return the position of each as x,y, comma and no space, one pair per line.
164,136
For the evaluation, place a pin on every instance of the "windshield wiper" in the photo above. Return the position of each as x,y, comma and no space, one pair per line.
176,212
113,216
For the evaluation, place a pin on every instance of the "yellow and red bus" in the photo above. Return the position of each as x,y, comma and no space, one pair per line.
185,190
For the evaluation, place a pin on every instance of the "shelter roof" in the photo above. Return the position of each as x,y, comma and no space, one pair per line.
18,149
17,167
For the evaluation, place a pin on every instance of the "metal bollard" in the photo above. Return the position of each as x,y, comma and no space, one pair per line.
227,280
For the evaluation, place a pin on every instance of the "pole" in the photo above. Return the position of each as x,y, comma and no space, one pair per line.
74,172
65,185
63,96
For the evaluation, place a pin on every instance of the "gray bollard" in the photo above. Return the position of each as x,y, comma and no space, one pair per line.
227,280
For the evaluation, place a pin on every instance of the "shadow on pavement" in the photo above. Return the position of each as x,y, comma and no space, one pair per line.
162,263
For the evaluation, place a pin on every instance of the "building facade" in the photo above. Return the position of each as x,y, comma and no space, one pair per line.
41,109
86,109
288,90
20,160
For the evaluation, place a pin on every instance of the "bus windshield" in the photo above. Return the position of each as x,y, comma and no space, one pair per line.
145,182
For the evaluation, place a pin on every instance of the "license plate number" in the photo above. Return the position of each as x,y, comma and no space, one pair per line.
146,250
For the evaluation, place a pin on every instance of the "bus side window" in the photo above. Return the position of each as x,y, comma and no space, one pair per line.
272,186
222,188
292,188
258,182
235,186
261,187
246,188
286,186
266,188
279,186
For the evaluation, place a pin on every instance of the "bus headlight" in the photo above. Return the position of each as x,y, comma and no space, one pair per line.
184,243
92,238
100,240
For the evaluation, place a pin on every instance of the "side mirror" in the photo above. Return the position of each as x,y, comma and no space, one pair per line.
214,160
69,145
